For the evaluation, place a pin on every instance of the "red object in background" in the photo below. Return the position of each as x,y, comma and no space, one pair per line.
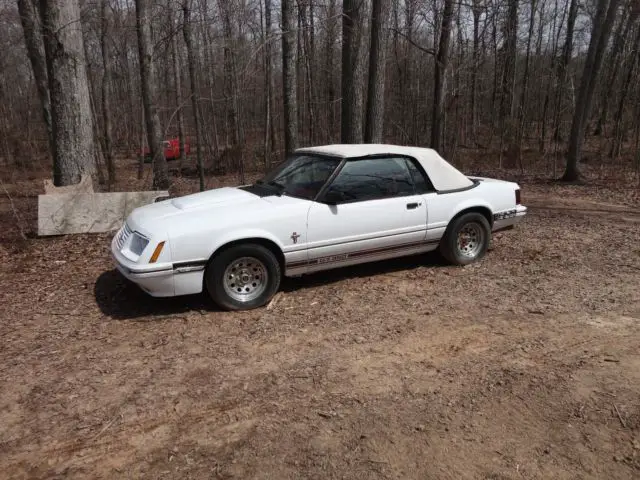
171,149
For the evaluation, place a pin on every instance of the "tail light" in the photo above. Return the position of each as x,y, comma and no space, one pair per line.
518,196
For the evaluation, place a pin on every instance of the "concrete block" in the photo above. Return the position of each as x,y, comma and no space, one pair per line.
79,212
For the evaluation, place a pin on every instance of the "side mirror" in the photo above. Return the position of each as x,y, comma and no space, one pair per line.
332,197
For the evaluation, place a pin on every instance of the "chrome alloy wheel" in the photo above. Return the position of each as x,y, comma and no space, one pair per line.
470,240
245,279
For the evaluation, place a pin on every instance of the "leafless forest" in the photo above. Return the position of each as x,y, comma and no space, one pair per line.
531,85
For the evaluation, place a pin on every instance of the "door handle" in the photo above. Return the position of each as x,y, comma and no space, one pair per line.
412,206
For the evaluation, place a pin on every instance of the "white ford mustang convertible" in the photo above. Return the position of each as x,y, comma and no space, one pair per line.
324,207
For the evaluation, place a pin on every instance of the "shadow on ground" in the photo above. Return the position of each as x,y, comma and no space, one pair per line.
120,299
123,300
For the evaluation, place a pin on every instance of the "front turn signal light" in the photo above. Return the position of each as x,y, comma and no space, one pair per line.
156,253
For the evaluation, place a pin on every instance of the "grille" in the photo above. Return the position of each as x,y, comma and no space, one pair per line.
123,235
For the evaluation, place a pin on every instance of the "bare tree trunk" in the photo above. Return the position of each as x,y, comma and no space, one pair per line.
130,75
375,97
289,80
603,23
442,61
618,133
31,25
106,94
616,60
525,79
186,30
330,90
311,67
563,71
268,84
307,58
149,94
211,80
636,115
98,154
538,64
477,11
177,82
72,122
142,142
351,124
231,88
507,134
496,73
547,89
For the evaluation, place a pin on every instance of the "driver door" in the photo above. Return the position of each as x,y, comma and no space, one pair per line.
377,214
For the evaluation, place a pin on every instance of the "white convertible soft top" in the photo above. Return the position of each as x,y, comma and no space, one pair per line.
442,174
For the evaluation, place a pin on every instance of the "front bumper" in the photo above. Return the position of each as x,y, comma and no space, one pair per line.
155,279
161,279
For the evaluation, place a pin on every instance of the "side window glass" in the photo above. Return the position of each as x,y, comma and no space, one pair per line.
422,184
373,179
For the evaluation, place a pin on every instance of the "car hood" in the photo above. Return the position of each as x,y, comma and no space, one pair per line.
217,196
223,205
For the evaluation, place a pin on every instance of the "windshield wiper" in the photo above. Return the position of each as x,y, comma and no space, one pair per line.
280,189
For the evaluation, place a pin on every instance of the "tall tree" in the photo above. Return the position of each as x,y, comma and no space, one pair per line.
508,129
31,25
150,93
289,77
268,84
230,74
602,24
305,14
620,38
442,60
191,61
351,124
328,78
477,12
177,85
525,77
377,54
72,121
563,71
231,87
106,93
618,131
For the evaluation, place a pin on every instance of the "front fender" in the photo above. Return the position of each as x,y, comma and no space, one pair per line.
199,248
244,234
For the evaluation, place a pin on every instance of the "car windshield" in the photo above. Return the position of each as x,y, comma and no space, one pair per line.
301,175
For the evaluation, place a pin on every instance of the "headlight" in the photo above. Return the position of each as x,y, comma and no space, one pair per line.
138,243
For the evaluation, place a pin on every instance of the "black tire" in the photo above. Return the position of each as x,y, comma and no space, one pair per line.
218,265
449,247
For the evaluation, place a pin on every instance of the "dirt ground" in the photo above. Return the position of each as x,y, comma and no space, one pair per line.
525,365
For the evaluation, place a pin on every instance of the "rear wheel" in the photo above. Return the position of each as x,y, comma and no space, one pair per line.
243,277
467,239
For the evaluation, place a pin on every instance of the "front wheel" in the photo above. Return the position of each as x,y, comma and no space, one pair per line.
467,239
243,277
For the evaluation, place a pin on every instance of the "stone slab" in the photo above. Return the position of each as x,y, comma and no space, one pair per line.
61,214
